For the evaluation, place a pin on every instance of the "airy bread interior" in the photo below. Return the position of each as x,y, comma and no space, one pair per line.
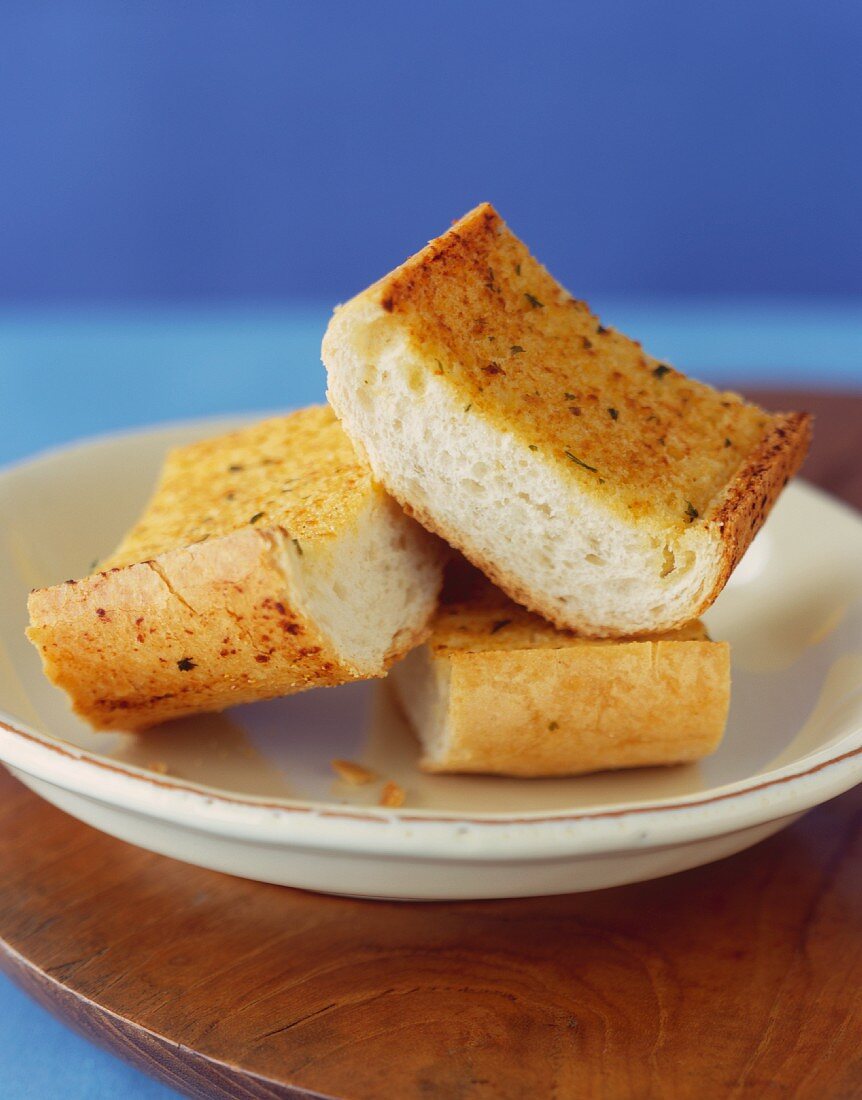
352,563
268,561
368,591
551,544
595,485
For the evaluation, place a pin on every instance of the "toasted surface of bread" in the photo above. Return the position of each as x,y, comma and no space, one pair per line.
299,472
502,413
496,689
268,561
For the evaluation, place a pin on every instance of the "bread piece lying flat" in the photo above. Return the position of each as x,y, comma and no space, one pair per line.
593,483
496,689
267,562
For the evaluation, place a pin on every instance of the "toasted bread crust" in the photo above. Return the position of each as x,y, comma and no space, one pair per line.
585,708
739,513
199,629
518,697
197,610
686,466
298,472
646,439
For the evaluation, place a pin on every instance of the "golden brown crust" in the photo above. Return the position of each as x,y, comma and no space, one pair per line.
298,472
582,708
688,464
648,441
518,697
200,629
195,611
739,513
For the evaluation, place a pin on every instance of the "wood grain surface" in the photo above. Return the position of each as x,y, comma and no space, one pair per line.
740,979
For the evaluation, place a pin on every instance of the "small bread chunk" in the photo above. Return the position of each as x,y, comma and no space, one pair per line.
268,561
593,483
498,690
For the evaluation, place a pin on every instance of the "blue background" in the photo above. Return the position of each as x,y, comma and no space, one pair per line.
187,188
197,149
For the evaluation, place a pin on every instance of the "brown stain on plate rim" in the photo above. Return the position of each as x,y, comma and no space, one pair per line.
324,810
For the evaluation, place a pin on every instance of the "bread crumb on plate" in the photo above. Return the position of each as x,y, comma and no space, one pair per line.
357,775
392,795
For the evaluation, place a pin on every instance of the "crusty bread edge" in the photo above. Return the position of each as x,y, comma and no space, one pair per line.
537,666
729,524
732,521
217,563
741,509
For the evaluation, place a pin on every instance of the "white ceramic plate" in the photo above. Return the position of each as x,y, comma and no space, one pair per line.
252,792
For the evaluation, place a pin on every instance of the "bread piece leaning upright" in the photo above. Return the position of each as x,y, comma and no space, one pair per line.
268,561
496,689
596,485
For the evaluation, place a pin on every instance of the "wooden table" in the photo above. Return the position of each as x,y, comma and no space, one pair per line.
737,979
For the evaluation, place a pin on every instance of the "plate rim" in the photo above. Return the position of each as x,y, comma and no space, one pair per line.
732,808
779,792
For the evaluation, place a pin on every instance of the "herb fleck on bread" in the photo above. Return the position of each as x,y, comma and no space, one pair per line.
267,562
496,689
595,484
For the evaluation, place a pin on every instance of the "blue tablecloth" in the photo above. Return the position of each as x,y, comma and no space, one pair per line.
67,374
